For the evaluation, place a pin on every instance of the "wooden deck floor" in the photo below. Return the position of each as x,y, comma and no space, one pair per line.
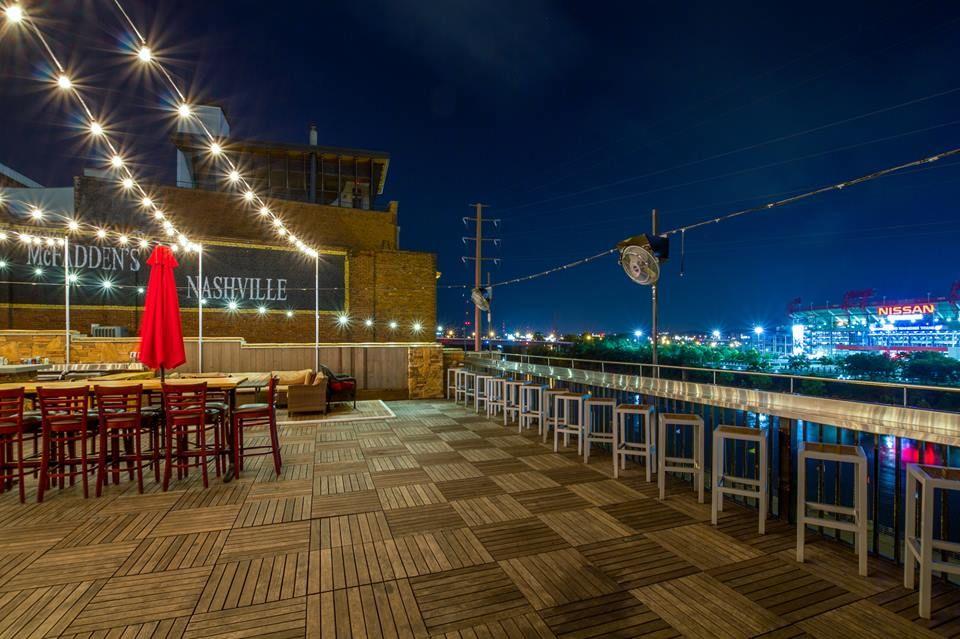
436,523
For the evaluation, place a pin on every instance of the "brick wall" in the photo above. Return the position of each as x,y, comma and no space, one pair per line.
384,283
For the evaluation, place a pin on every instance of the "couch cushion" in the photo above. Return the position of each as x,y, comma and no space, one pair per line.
337,385
318,380
289,378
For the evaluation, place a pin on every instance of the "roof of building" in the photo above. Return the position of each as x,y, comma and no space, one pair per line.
192,141
18,177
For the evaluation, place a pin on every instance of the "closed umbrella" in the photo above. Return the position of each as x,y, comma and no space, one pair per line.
161,335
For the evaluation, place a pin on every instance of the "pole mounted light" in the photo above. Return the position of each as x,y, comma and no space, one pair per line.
640,257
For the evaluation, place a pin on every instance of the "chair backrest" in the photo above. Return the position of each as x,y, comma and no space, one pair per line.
272,390
185,402
11,408
119,404
64,406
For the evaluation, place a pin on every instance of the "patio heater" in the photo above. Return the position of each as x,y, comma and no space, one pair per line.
640,257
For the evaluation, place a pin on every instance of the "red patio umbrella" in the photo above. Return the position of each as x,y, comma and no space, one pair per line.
161,336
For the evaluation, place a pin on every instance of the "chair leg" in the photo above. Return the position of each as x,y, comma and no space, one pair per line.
202,444
138,452
167,469
83,465
275,443
237,426
101,463
20,475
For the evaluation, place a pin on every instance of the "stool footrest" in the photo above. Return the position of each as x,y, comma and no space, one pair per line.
836,524
740,480
830,508
743,492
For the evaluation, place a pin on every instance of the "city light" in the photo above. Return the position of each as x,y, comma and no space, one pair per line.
262,310
140,290
289,313
440,329
417,327
716,334
232,305
758,330
392,325
106,284
638,334
73,278
14,13
343,320
368,322
38,271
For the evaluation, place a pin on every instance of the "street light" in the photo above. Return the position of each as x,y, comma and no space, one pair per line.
758,330
716,334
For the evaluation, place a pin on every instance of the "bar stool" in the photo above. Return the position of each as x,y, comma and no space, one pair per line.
623,448
452,381
922,481
550,417
119,408
597,430
480,391
184,408
465,384
495,392
572,404
65,415
511,400
692,466
723,483
842,454
11,440
531,406
251,415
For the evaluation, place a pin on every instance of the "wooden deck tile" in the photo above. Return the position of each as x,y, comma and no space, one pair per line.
863,620
280,619
67,565
518,538
490,509
359,502
260,512
547,499
467,597
783,587
553,578
406,521
585,526
386,609
618,614
837,565
605,492
644,515
342,483
493,467
339,454
529,626
181,522
255,581
348,530
142,598
484,454
447,457
450,472
42,612
160,629
250,543
159,554
944,607
399,462
637,561
699,606
703,545
522,482
468,488
388,478
410,496
217,494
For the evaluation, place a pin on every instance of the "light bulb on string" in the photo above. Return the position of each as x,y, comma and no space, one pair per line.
96,129
184,110
116,161
64,82
127,183
14,13
145,54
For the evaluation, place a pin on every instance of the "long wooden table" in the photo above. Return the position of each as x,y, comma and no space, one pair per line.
154,385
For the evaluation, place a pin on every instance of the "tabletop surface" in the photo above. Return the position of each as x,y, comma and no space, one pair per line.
219,383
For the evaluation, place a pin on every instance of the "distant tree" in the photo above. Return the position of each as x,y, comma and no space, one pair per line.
930,367
869,365
798,362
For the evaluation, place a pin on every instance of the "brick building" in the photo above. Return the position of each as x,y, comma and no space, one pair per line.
251,284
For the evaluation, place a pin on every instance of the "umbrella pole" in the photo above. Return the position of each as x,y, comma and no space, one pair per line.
162,375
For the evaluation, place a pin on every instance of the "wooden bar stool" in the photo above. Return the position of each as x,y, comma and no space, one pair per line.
480,391
465,381
723,483
252,415
185,416
572,409
531,406
452,381
119,409
495,396
922,482
692,466
550,417
623,448
12,461
841,454
65,419
511,401
598,430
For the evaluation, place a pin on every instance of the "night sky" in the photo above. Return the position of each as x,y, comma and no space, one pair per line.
572,120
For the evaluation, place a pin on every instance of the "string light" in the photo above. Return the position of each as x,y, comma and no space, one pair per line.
123,239
116,161
249,197
101,233
417,327
234,176
36,213
147,202
14,13
184,110
264,211
289,313
393,325
343,320
73,225
262,310
127,183
145,54
368,322
64,83
97,130
216,149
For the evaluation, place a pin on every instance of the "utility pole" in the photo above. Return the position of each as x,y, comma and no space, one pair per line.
654,331
478,263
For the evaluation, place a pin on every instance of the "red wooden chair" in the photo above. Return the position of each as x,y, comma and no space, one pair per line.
184,408
249,415
64,420
12,428
121,419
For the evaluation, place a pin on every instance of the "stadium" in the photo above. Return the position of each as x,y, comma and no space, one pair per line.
865,322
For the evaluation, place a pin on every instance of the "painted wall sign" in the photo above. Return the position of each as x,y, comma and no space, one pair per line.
108,275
